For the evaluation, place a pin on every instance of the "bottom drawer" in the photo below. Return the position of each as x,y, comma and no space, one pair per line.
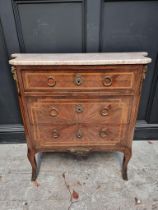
77,135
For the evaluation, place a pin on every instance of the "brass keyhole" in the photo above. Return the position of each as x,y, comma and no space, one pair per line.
79,108
103,133
79,134
78,80
55,133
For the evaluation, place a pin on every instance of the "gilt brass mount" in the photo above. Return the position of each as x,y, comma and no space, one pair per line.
145,71
13,70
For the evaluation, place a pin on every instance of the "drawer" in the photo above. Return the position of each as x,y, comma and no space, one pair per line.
111,110
81,134
77,81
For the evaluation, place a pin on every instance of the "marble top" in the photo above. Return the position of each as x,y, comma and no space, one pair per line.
80,58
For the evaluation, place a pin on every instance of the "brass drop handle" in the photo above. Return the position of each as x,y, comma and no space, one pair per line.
104,112
51,81
53,112
55,133
79,134
78,80
79,108
103,133
107,81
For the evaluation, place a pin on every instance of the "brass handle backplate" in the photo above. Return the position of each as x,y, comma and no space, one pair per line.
53,112
103,133
104,112
51,81
78,80
107,81
55,133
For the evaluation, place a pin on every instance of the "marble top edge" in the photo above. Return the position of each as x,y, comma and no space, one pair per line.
80,58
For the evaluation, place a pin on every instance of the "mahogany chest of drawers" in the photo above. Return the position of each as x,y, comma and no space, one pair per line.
79,102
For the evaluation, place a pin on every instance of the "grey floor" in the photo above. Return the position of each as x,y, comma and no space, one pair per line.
91,184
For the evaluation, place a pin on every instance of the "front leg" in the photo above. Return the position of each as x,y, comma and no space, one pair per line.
127,157
31,156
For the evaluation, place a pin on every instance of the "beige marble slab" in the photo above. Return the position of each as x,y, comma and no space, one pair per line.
81,58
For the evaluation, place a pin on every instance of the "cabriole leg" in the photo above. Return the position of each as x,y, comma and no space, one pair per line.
31,156
127,157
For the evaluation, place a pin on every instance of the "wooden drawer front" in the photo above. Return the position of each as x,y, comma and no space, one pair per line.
83,134
48,81
108,110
